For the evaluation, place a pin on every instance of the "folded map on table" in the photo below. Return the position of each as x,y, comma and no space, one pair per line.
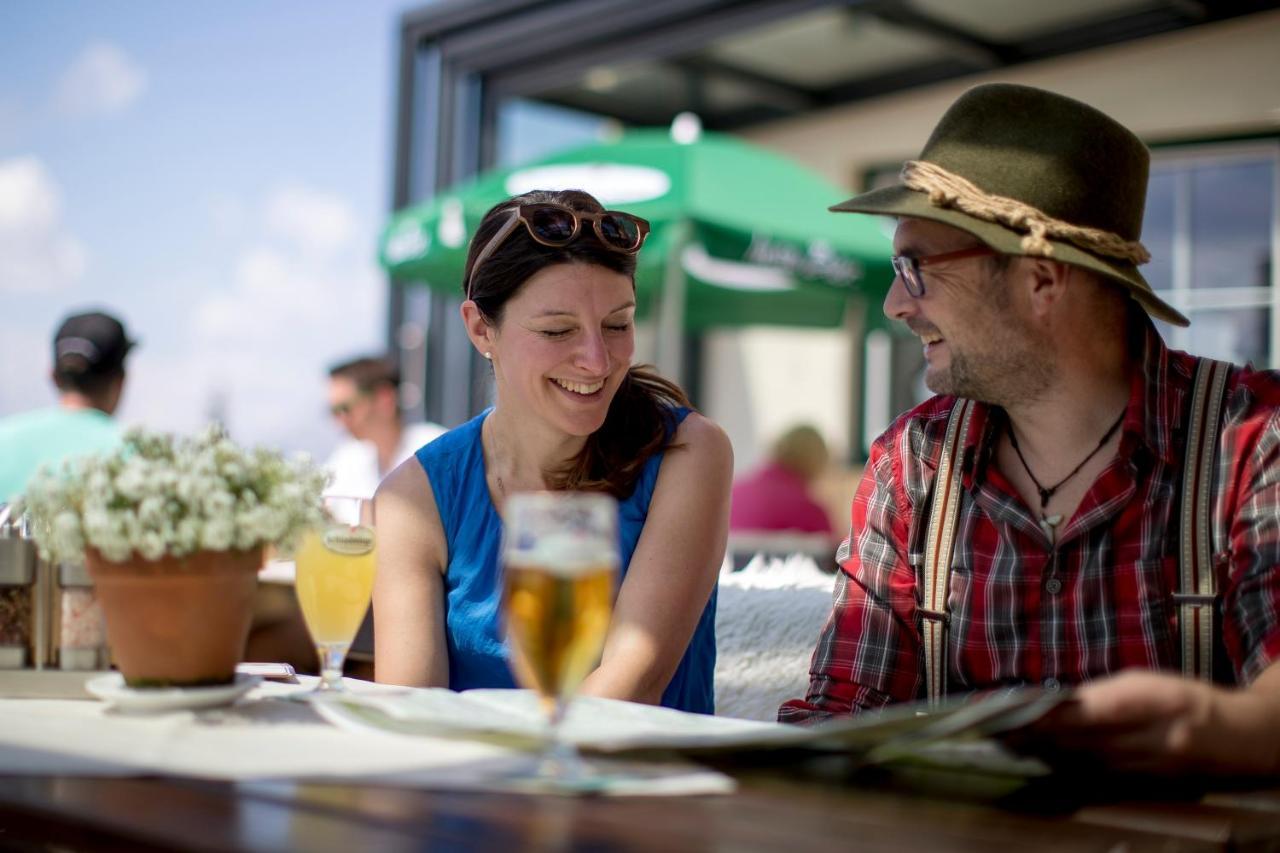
606,726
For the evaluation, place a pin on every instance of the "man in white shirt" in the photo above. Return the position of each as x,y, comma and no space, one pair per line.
364,397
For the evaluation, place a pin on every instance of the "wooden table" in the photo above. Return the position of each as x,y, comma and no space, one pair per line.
769,812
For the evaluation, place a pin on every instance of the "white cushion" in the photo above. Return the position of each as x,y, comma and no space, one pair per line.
767,622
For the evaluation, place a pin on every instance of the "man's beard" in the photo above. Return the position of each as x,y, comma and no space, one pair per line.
1013,366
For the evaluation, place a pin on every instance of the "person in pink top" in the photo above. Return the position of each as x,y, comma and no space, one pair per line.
775,496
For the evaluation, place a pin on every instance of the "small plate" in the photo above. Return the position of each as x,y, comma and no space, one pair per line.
111,688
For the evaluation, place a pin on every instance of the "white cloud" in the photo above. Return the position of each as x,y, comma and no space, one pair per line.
36,252
102,80
316,223
260,347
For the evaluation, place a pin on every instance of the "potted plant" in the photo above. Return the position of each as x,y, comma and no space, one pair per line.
173,532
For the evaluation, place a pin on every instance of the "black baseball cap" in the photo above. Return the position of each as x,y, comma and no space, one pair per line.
92,342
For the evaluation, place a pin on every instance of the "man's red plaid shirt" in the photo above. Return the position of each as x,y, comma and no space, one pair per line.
1024,612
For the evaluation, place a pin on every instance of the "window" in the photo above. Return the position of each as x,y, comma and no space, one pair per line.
528,130
1211,226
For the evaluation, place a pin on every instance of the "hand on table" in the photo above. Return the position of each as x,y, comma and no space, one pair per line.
1147,722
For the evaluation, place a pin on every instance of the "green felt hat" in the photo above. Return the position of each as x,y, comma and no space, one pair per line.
1082,175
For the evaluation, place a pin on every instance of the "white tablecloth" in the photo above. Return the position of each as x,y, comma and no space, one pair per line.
265,736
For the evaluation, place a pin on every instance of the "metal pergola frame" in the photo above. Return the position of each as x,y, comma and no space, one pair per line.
460,59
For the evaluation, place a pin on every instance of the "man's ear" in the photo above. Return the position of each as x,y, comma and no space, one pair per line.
1046,281
479,330
387,399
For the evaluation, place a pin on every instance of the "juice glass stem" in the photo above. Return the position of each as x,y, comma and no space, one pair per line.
332,656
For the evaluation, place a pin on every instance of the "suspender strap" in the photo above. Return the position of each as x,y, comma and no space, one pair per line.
1198,589
936,572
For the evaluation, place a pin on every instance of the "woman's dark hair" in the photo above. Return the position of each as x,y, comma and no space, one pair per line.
641,420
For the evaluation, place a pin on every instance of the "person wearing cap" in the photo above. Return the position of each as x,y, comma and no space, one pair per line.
1044,484
89,351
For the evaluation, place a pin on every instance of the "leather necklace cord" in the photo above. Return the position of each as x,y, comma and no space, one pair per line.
1047,492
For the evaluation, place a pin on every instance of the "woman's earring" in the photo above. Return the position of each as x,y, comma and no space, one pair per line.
488,356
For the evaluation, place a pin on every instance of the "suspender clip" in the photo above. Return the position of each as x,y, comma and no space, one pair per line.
1194,599
934,615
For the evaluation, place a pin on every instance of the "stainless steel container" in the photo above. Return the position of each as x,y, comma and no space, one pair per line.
23,598
79,633
49,615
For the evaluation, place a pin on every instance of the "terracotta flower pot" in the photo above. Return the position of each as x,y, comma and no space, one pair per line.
177,621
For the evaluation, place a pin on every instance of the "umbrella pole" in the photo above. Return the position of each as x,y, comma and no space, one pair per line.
671,305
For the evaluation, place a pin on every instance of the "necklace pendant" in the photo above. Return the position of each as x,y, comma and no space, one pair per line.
1049,524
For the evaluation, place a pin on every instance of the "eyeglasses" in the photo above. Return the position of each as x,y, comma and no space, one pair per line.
908,268
556,225
344,408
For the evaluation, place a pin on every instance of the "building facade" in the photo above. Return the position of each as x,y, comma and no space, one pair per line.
850,89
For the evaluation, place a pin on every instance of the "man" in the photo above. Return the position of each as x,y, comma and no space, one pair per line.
89,350
364,397
1018,244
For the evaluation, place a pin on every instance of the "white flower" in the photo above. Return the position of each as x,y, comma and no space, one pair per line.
131,483
218,534
186,536
218,503
97,522
159,494
151,511
187,488
97,482
151,546
234,472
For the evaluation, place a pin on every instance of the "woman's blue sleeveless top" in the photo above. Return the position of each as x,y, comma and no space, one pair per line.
454,464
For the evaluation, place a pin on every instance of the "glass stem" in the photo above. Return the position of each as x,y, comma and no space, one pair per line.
332,656
560,758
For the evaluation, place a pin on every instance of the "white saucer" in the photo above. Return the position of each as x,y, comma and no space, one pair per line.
111,688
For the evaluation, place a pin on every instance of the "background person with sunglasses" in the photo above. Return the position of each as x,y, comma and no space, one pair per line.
364,398
550,303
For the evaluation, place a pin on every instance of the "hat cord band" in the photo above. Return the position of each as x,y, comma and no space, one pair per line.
946,189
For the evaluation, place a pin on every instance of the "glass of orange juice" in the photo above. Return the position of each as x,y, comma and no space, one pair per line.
334,580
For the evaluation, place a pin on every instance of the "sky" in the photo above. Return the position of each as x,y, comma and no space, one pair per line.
215,174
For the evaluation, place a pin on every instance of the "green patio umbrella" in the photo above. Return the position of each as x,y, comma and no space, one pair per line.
741,235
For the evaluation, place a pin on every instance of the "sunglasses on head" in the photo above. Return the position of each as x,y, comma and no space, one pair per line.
555,225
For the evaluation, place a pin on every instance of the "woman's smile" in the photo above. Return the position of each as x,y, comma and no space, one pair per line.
580,389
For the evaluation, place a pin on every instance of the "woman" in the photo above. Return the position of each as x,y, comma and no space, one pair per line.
776,496
550,302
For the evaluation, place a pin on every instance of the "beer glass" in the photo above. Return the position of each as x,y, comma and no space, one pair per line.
560,567
334,581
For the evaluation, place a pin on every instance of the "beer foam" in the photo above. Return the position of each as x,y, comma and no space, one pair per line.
565,555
